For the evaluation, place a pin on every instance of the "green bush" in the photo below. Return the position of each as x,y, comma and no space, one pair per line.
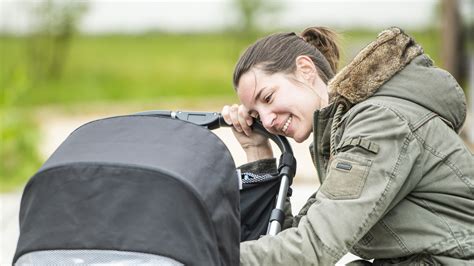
19,134
19,153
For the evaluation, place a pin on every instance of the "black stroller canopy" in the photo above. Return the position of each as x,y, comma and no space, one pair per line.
136,183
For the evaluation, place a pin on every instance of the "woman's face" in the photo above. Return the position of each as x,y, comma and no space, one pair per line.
284,103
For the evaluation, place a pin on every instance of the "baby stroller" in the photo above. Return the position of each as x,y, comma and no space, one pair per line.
153,188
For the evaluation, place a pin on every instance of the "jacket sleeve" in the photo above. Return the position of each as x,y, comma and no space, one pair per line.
363,182
260,167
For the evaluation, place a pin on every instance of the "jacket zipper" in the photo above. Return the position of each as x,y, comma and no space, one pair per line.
316,145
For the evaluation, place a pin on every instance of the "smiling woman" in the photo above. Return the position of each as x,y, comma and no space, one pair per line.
282,86
284,106
396,178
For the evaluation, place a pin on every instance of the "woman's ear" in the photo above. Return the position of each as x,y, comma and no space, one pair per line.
305,69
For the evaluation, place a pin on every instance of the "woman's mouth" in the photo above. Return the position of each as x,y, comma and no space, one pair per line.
287,124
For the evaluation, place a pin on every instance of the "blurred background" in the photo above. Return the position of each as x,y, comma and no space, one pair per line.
63,59
63,63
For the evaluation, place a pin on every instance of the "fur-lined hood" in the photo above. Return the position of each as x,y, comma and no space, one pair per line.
373,72
374,65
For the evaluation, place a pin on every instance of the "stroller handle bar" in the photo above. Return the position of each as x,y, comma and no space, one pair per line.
286,166
214,120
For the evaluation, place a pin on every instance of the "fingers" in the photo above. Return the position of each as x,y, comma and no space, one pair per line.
245,120
225,114
234,116
238,116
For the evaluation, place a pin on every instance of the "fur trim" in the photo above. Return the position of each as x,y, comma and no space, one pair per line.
374,65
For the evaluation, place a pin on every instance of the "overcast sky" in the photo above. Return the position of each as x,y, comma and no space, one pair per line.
208,15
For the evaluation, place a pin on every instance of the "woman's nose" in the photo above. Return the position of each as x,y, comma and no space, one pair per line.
267,121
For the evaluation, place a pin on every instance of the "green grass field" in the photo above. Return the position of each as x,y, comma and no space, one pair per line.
123,68
145,68
129,68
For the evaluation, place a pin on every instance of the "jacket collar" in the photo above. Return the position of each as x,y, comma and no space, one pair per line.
373,66
370,69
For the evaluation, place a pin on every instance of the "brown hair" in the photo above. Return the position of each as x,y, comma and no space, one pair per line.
278,52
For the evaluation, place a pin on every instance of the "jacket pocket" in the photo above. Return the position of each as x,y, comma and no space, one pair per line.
346,177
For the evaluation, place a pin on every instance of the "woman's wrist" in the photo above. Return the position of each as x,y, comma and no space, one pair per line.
259,152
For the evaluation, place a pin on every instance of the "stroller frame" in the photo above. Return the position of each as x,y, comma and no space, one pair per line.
287,162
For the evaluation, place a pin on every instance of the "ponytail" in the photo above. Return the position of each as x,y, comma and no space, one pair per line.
325,41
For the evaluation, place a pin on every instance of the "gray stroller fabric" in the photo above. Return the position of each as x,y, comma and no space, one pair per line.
136,184
93,258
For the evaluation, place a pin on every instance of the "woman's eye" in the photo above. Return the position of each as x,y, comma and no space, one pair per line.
268,98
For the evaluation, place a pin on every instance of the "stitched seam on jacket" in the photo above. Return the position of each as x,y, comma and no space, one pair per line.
333,253
359,253
394,235
424,120
377,102
447,224
394,110
392,175
435,248
414,126
371,102
446,162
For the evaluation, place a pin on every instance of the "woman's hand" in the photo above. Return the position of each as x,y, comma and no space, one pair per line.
256,146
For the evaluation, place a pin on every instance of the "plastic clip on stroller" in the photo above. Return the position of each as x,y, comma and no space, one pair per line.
147,188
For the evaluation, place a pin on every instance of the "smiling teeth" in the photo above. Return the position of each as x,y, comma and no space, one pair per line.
287,124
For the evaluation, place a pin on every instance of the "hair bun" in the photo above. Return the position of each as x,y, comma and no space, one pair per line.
325,40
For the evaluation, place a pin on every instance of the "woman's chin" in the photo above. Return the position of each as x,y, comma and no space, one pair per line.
299,138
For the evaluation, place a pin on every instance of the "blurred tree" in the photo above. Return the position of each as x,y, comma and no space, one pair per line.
250,10
453,47
54,24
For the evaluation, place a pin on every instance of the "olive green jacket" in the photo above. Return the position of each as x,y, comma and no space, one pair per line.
397,180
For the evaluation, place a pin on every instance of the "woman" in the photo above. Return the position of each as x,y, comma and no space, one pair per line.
397,180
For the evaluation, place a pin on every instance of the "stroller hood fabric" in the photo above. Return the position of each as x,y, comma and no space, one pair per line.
136,183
